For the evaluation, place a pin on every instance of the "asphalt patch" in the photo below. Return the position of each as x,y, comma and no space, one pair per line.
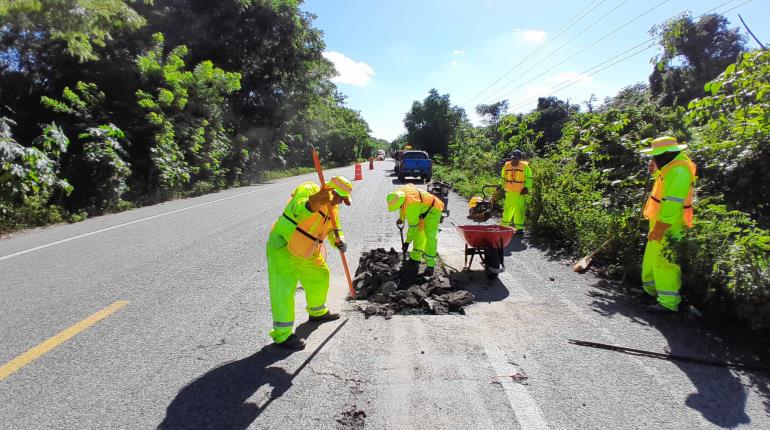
351,418
392,288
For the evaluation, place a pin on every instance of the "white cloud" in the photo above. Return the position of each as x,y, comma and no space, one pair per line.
458,52
451,64
529,36
349,71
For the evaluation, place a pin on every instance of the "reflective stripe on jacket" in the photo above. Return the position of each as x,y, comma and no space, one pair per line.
673,193
518,177
417,205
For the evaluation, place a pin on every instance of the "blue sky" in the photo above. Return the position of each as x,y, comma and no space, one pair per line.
389,53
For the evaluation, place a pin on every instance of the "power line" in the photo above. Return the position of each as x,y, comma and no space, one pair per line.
572,81
587,47
574,20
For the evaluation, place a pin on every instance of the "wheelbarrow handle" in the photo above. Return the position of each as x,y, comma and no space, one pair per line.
483,194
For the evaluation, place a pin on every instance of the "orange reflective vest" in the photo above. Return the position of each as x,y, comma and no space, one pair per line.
514,176
423,200
307,241
652,207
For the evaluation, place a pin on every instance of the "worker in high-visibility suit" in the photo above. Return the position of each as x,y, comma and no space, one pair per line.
421,210
517,181
669,210
296,252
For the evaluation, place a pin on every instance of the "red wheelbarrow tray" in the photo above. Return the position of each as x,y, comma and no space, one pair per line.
480,236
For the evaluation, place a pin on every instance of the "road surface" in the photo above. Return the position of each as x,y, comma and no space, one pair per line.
177,295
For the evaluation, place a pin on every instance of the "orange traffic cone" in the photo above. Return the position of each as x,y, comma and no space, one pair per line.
359,175
371,163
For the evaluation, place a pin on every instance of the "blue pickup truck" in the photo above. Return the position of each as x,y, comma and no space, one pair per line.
415,164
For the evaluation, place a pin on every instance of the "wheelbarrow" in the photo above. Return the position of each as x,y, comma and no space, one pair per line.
488,242
480,208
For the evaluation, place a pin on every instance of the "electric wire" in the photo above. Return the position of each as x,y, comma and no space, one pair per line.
574,20
588,72
499,93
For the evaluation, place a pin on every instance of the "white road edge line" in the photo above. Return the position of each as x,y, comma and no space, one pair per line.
522,403
129,223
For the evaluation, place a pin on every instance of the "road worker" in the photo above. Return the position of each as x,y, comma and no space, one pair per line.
517,181
421,210
669,210
296,252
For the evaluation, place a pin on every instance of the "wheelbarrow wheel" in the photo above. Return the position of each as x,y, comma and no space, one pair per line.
492,262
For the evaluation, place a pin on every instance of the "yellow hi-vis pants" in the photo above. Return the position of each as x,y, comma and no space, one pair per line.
661,277
425,245
284,270
513,209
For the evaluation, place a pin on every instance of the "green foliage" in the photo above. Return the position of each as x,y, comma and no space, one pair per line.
694,52
27,172
732,129
104,164
82,25
244,89
431,124
29,177
186,111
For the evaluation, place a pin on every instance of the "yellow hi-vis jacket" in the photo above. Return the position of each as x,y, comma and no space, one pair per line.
673,193
516,177
416,207
305,231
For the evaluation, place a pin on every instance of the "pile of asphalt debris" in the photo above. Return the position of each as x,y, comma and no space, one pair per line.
380,280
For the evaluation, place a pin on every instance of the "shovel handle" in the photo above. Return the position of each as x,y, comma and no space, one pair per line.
333,218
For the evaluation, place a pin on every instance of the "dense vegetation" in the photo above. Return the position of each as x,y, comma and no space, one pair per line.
111,104
706,89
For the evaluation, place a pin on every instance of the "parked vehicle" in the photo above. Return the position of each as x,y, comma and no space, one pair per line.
380,154
415,164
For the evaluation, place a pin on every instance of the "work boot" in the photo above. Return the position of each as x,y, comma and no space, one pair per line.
329,316
658,309
292,342
519,232
428,272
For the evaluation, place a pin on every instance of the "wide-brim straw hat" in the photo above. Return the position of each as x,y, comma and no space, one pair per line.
664,144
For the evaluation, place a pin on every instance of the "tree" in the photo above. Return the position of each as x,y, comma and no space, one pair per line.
552,114
432,123
632,96
274,47
490,114
693,54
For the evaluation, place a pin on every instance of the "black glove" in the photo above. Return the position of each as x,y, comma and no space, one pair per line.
524,191
342,246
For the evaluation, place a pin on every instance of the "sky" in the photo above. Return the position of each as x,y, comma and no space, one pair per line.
390,53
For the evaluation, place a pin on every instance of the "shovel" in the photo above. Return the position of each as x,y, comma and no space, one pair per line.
400,225
409,268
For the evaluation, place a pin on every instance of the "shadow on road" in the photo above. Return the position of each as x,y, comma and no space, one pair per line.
517,244
396,181
720,396
218,398
477,283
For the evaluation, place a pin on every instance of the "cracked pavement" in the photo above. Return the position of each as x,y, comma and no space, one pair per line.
191,349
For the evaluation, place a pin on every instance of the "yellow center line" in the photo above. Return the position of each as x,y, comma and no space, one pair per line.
36,352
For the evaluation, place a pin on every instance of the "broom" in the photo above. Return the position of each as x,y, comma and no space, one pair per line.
583,264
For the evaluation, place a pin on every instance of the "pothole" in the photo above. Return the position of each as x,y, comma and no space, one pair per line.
379,280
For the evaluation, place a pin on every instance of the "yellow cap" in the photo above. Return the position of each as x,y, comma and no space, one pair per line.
395,199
